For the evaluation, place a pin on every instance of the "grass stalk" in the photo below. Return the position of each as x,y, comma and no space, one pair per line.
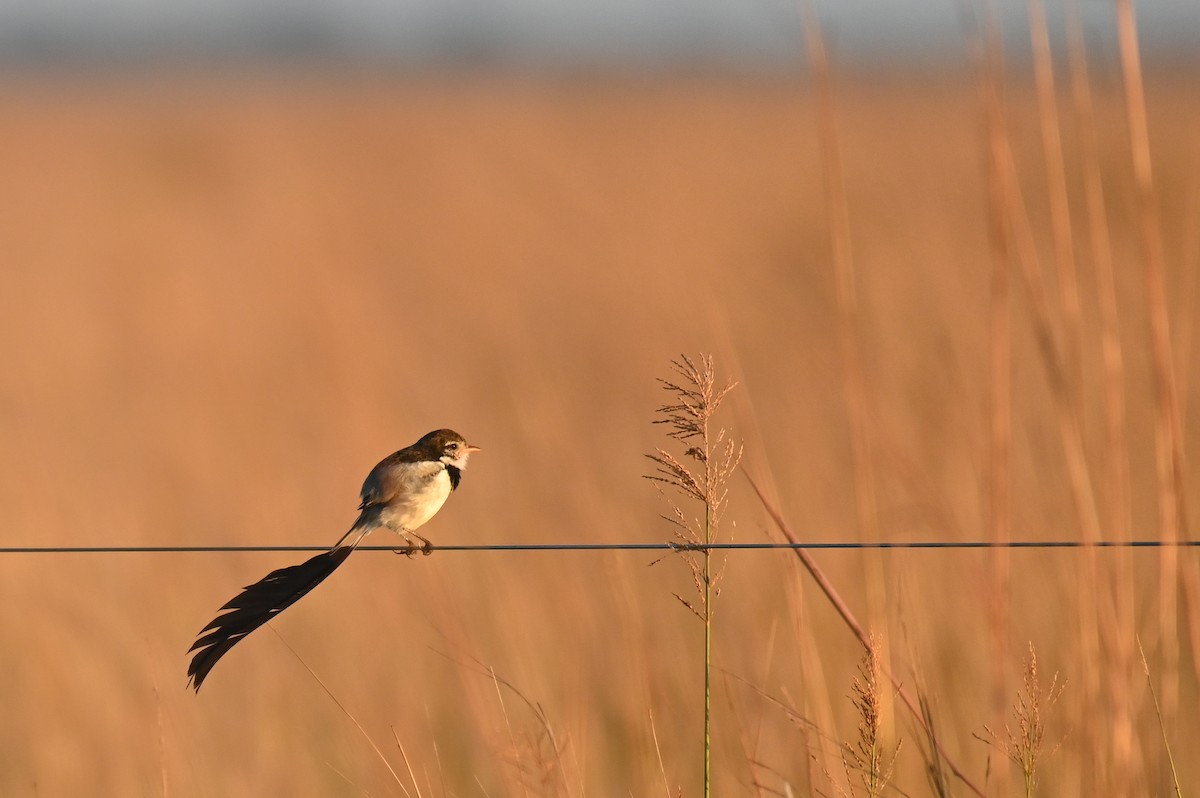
708,539
1060,210
1070,404
837,207
1161,724
1167,438
1122,757
662,768
1000,367
408,765
694,400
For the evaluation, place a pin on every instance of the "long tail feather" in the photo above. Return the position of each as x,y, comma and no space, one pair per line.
262,601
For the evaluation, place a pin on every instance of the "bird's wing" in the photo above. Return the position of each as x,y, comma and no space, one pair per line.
398,476
262,601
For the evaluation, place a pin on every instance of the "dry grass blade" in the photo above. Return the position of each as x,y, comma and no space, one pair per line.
852,623
1119,613
545,767
515,751
935,763
1168,437
342,707
1071,400
854,380
1000,400
1162,726
1060,212
662,768
791,713
541,768
407,764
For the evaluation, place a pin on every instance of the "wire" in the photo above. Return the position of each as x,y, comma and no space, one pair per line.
930,544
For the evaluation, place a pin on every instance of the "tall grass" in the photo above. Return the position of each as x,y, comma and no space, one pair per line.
701,475
222,302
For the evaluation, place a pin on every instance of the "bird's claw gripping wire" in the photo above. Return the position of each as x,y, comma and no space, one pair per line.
426,548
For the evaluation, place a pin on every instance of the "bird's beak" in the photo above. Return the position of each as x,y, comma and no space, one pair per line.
471,448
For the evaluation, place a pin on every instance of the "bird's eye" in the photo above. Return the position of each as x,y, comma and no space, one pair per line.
452,446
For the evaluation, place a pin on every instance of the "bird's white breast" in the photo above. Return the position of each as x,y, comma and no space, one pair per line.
425,490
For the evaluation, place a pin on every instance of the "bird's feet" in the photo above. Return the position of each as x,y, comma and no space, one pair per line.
411,548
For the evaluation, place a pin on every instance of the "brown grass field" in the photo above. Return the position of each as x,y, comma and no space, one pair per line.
226,297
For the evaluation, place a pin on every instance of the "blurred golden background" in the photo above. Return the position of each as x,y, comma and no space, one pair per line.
226,296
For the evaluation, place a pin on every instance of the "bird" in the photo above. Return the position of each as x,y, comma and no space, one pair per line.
402,492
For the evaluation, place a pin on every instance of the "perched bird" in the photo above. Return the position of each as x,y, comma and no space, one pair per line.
403,492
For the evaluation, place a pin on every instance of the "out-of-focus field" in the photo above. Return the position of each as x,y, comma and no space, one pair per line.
224,299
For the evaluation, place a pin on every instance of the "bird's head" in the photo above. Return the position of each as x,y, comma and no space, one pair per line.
449,447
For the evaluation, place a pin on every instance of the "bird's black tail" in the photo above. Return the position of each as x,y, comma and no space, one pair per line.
262,601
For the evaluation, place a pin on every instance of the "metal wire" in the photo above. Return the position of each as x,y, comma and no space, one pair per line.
666,546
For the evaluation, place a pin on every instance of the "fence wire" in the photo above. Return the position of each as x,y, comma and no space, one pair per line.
663,546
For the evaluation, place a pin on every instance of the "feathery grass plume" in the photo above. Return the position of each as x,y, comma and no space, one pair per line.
695,399
1024,745
866,756
700,474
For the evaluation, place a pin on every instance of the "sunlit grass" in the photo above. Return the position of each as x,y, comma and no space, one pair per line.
222,305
